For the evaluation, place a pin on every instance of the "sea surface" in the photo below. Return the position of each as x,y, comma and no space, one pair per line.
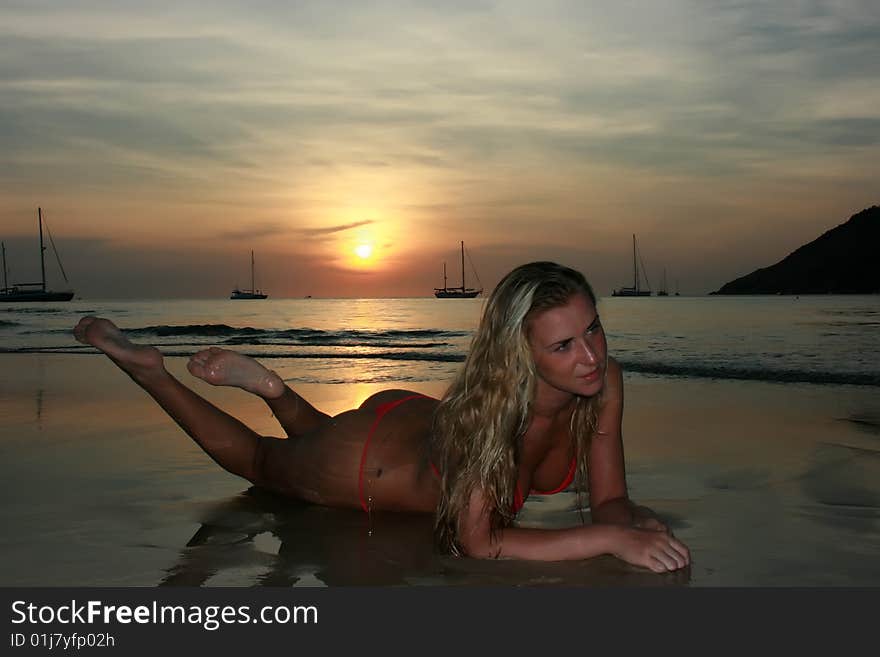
809,339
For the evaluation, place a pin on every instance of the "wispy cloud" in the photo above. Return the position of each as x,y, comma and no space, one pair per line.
255,231
334,229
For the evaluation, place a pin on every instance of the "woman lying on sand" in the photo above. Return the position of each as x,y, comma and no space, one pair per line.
537,401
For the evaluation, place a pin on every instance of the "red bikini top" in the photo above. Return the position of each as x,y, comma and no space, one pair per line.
519,500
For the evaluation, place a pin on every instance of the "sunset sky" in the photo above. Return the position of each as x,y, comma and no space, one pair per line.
165,140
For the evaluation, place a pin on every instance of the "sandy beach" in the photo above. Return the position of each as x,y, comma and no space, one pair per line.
769,484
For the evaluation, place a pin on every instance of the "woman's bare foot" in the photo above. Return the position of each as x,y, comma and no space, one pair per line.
138,361
221,367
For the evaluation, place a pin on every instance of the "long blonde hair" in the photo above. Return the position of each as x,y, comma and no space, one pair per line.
479,424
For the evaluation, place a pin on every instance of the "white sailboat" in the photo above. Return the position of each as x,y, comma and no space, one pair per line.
636,290
253,293
663,292
462,292
26,292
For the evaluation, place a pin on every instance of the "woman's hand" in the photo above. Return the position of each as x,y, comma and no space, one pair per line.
655,549
645,518
652,524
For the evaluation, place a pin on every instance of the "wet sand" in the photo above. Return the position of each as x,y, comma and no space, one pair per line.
768,484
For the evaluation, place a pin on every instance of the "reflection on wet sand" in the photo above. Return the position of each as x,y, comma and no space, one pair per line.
866,421
320,546
844,476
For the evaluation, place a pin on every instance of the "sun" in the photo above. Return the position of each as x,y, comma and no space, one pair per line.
363,251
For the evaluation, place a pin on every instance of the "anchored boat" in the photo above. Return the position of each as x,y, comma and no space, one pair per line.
462,292
253,293
636,290
26,292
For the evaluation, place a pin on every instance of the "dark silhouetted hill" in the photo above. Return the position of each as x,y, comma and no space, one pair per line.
845,260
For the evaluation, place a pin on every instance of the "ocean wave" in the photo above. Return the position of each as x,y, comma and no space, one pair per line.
754,373
852,311
174,352
691,370
250,341
413,356
212,330
851,323
37,311
296,335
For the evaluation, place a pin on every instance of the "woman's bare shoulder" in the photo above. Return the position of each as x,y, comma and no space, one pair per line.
613,381
614,367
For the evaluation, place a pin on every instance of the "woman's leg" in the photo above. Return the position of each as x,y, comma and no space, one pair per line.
320,465
234,446
221,367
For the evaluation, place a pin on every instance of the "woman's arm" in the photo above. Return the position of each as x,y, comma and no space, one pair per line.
657,551
620,528
609,501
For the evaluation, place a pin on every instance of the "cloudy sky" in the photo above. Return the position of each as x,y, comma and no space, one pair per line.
165,140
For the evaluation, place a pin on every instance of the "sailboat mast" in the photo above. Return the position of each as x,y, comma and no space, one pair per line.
253,287
462,267
5,283
444,275
635,266
42,252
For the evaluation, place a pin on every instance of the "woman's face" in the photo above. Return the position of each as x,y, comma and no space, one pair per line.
568,347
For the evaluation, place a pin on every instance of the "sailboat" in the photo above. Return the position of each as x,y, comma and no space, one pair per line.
462,292
635,290
253,293
20,292
663,292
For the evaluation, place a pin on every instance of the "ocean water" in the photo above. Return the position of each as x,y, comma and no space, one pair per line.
812,339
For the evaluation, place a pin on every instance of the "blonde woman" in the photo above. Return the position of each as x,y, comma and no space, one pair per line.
536,407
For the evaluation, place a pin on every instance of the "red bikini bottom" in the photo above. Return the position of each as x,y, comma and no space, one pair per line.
381,411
